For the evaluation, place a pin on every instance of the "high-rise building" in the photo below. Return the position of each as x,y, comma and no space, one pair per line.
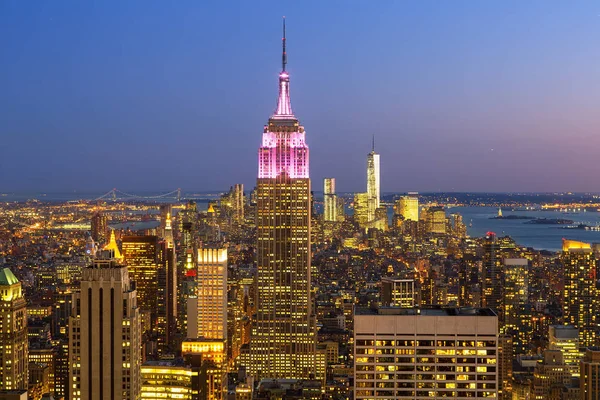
104,335
140,255
491,285
168,380
550,375
435,220
397,292
566,339
413,353
13,334
99,227
330,200
505,367
208,358
590,374
209,320
167,292
361,209
516,309
408,206
284,337
238,203
580,298
373,187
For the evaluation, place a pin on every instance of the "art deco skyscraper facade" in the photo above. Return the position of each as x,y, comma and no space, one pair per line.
13,333
580,299
104,335
283,341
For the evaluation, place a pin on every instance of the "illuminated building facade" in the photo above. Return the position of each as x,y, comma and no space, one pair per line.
435,220
373,185
403,353
548,374
491,288
505,367
208,357
516,308
330,199
580,297
167,291
99,227
397,292
140,255
590,374
113,246
566,339
361,209
13,334
211,308
104,335
165,380
408,206
284,337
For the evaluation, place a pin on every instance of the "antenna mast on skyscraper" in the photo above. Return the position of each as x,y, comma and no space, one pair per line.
373,146
284,55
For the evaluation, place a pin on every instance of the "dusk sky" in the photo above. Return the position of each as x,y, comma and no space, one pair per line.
155,95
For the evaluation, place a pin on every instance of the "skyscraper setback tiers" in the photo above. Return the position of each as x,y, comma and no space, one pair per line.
283,341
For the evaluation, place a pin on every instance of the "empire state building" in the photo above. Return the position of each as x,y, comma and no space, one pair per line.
283,343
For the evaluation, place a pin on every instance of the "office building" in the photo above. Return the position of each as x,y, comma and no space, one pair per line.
505,367
408,206
580,297
209,358
373,184
361,209
99,227
330,200
590,374
516,308
211,296
403,353
104,335
14,356
168,380
140,255
283,341
491,287
113,246
397,292
550,375
434,219
167,292
565,338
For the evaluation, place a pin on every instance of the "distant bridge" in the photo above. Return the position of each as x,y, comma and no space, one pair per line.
116,194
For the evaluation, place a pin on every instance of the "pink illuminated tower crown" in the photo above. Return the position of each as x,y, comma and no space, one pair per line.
283,149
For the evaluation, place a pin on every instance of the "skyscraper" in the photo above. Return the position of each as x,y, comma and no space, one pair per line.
140,255
408,206
167,290
491,288
373,181
99,227
104,335
13,333
330,200
590,374
580,299
211,315
516,309
284,338
417,353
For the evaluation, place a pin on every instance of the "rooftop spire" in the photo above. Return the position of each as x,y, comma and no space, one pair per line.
283,55
373,146
284,106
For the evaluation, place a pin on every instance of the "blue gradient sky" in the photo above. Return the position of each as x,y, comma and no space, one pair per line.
146,95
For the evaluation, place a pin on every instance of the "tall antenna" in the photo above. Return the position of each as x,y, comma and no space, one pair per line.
373,148
284,55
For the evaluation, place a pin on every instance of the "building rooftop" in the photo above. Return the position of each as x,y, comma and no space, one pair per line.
427,311
7,278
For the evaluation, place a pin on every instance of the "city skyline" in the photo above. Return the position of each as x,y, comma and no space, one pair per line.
92,97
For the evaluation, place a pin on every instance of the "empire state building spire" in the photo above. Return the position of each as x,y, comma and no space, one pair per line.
284,105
